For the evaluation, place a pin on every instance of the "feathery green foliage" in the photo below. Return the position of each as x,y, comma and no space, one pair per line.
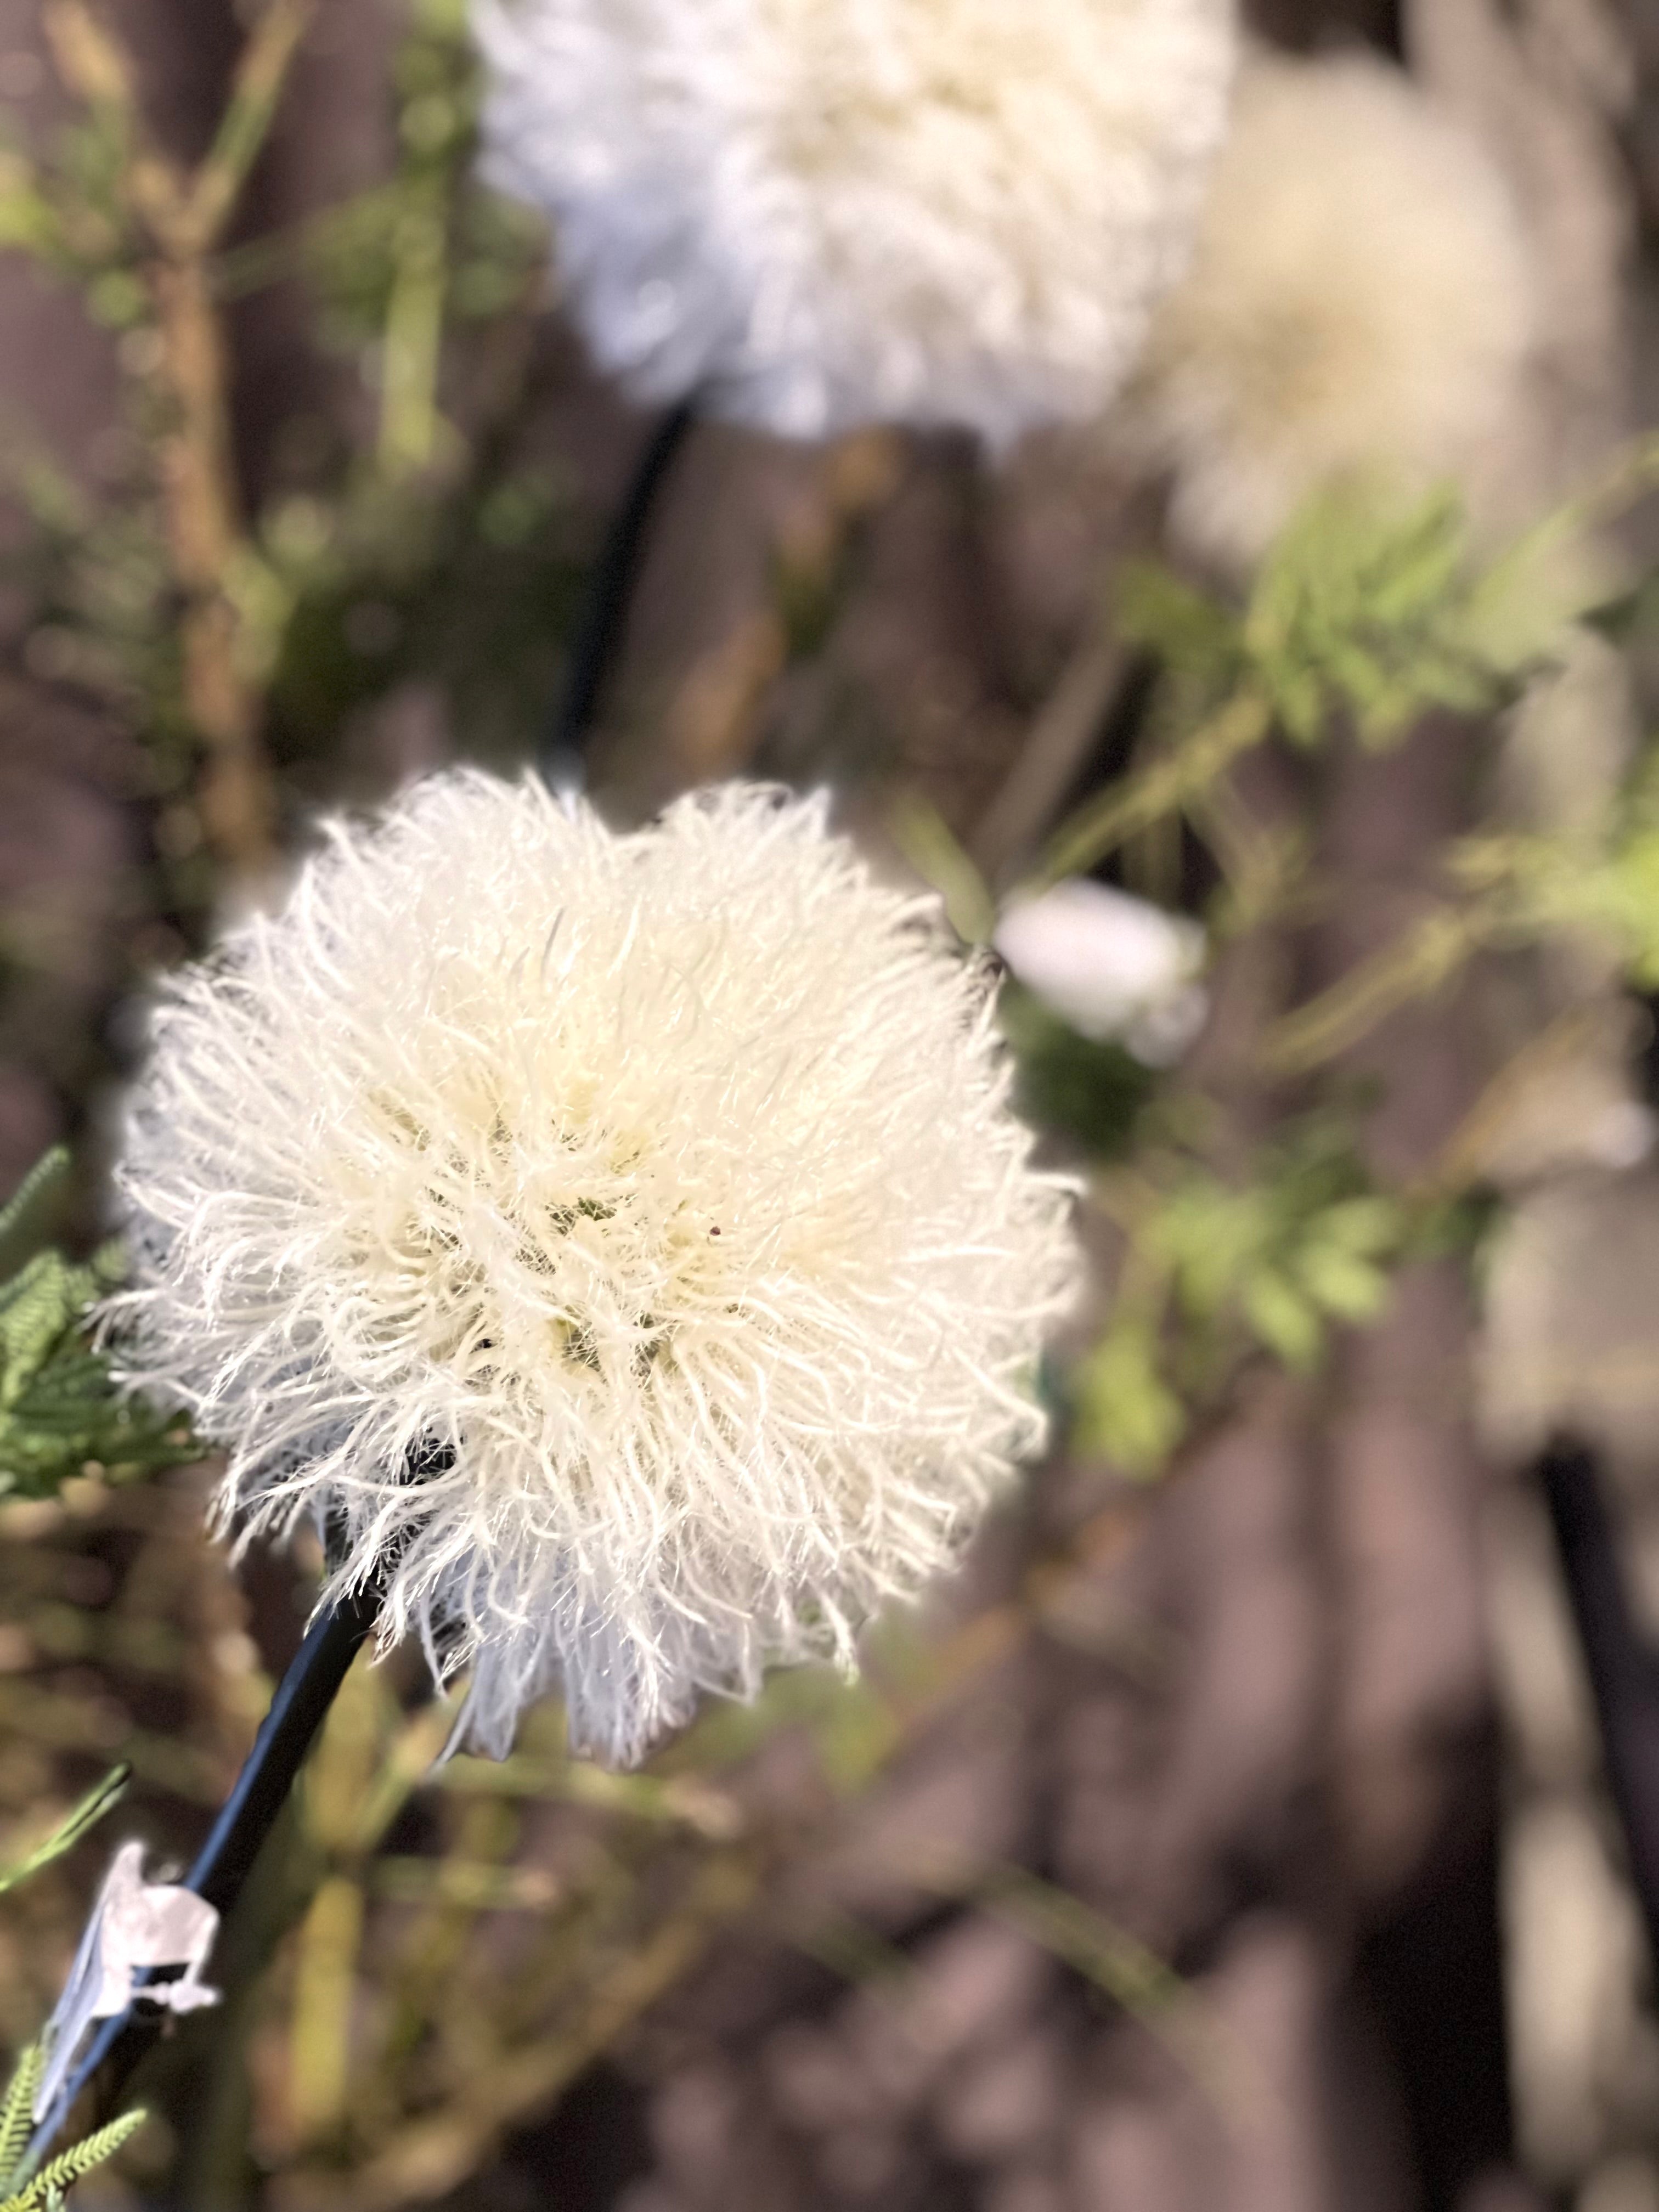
1220,1267
1537,886
45,2191
60,1412
1366,614
1359,612
17,2111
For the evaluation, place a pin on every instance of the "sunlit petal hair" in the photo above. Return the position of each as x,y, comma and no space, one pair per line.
622,1244
818,214
1361,306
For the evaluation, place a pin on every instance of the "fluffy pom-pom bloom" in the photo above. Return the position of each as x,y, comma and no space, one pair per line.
818,214
1360,307
620,1243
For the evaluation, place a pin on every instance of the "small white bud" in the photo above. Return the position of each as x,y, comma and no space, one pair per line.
1111,965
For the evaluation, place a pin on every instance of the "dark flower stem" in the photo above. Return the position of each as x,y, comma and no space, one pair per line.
225,1859
598,637
1622,1665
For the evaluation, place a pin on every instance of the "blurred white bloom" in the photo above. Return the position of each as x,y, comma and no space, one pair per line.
654,1196
1360,305
816,214
1111,965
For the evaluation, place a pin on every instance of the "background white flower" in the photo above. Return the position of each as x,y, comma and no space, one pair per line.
1361,304
1111,965
662,1184
820,213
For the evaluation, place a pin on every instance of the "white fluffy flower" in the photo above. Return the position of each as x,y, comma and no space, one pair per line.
1360,305
654,1196
818,214
1112,965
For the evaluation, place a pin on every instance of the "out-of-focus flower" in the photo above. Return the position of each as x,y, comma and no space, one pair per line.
818,214
1360,305
1111,965
620,1243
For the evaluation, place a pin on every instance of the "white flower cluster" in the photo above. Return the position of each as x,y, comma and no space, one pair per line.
816,214
622,1242
1361,306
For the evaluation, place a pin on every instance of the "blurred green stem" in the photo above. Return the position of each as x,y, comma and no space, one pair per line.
1164,785
413,337
1416,966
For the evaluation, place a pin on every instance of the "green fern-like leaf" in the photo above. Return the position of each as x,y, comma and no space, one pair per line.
58,1410
1365,612
1223,1269
73,2164
1186,628
39,1308
1124,1405
23,1216
70,1418
17,2112
1362,612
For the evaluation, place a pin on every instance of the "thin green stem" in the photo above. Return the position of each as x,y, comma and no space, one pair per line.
261,76
413,341
1416,965
1163,787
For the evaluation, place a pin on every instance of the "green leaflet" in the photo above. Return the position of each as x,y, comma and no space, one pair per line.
1124,1407
1362,611
16,2114
1219,1268
59,1409
1554,886
46,2190
85,1816
1186,628
1367,613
